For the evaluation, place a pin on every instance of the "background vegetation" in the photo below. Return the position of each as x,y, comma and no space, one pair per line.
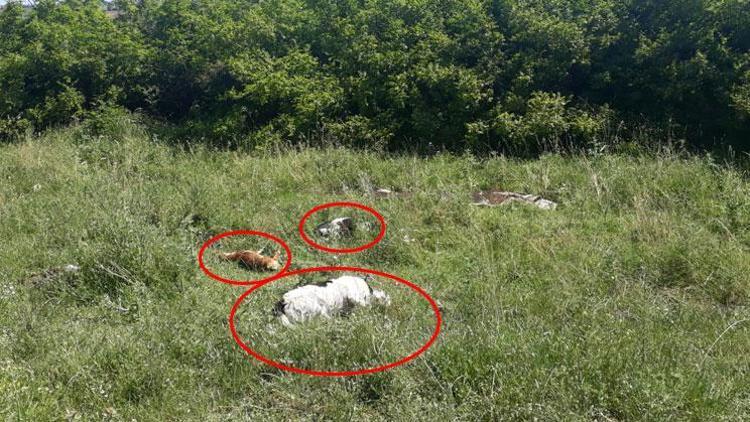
513,75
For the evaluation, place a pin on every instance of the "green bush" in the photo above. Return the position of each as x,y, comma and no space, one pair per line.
511,75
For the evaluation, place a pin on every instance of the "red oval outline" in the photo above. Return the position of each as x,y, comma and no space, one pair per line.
318,373
217,277
318,246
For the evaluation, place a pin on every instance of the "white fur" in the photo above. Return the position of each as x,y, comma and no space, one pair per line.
311,301
336,227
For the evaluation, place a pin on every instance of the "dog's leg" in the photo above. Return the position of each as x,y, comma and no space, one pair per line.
285,321
347,308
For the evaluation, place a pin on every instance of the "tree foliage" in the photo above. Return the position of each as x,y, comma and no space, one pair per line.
460,74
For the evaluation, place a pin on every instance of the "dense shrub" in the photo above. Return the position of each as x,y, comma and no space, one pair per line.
513,75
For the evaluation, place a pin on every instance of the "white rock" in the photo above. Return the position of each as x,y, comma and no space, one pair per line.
70,268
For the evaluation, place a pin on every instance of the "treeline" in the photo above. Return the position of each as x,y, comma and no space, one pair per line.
511,75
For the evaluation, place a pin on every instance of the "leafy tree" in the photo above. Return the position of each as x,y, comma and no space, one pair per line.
512,75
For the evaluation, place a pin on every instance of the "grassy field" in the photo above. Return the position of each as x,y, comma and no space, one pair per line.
628,302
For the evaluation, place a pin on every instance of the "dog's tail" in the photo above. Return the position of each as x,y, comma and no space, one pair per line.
279,308
278,311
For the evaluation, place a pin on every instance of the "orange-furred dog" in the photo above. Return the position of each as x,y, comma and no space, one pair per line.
254,260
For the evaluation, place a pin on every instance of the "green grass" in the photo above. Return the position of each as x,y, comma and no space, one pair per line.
366,338
630,301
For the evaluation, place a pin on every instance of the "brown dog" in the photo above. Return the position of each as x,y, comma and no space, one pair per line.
254,260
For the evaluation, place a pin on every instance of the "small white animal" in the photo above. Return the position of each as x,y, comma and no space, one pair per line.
336,296
342,226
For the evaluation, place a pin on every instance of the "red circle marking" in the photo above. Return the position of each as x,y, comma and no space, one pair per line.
315,245
318,373
244,233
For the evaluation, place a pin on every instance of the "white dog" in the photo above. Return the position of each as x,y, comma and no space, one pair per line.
334,297
342,226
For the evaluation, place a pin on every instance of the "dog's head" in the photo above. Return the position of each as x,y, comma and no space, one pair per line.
274,264
381,297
